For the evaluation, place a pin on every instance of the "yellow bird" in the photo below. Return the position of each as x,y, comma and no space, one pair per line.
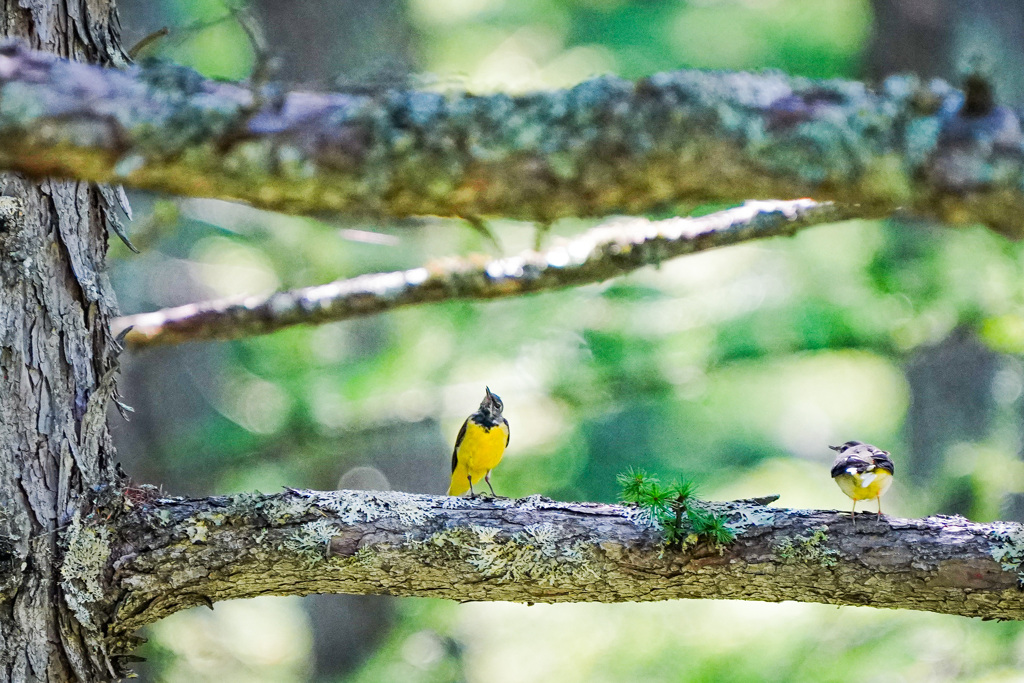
479,446
863,472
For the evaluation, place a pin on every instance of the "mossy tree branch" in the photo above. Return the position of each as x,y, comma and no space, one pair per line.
605,146
158,556
612,249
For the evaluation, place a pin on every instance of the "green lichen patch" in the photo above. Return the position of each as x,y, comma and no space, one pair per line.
281,509
812,549
1008,548
537,554
310,540
88,549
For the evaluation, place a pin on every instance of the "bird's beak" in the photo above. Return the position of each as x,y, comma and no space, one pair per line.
488,390
836,448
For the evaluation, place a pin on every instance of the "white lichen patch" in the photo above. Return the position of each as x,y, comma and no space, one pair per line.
1008,547
353,507
486,534
88,549
536,502
456,503
742,516
198,532
641,516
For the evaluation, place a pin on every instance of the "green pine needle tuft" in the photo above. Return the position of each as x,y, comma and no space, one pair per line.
684,489
701,519
634,483
675,507
719,532
658,496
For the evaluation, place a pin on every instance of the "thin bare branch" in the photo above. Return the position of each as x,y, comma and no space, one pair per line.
169,554
603,147
613,249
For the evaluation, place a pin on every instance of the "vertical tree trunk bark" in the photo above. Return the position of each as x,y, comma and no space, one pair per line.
56,360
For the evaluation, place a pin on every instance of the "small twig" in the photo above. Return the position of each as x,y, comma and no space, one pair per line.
151,39
612,249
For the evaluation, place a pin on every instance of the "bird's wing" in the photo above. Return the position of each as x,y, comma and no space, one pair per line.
458,442
883,462
508,434
854,458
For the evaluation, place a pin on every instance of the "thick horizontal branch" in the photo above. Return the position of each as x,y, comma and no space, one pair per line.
612,249
163,555
605,146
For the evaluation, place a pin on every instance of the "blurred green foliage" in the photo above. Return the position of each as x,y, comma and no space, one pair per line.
732,368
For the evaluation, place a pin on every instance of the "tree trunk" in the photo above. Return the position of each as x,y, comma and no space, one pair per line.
56,360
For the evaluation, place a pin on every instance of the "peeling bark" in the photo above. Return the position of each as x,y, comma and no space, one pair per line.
56,360
164,555
604,146
613,249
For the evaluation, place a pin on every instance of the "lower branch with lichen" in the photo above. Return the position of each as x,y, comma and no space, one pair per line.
141,557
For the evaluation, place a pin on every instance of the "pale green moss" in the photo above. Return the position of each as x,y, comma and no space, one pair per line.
811,549
88,549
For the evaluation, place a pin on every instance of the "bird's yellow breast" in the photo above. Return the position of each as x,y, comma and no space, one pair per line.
481,449
865,486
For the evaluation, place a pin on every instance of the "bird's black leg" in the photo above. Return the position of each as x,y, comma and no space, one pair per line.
487,478
472,493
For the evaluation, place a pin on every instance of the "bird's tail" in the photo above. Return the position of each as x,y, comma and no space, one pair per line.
459,483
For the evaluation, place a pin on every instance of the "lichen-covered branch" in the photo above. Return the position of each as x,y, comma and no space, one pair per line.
615,248
163,555
604,146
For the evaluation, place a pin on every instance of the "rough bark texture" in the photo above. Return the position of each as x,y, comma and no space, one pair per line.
607,251
604,146
56,360
164,555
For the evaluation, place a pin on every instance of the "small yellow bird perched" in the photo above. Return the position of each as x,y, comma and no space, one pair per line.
479,446
863,472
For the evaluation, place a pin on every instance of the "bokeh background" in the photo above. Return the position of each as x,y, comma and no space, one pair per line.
733,367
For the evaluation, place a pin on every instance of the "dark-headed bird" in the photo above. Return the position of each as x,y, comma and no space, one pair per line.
862,471
479,446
